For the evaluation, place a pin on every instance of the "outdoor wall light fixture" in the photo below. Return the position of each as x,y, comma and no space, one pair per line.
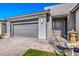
41,21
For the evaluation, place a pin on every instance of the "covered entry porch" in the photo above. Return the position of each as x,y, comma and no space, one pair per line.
59,26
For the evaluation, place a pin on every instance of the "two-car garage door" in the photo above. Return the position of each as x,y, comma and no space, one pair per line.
26,30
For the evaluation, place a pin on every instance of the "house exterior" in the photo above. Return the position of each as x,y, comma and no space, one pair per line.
59,19
32,25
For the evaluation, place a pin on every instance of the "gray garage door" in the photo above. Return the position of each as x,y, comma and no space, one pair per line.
26,30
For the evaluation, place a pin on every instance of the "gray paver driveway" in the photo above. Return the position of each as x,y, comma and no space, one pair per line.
17,46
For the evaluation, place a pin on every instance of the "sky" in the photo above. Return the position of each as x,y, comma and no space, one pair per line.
15,9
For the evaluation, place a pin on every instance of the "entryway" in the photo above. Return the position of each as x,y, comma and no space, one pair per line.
59,26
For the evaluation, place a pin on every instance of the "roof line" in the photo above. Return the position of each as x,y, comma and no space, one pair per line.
75,8
35,13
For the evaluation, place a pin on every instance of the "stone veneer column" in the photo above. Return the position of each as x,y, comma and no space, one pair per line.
49,28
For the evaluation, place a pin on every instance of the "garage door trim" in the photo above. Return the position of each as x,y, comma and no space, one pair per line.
23,23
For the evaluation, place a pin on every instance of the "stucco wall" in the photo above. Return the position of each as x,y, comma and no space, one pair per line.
0,28
42,28
8,29
71,21
77,22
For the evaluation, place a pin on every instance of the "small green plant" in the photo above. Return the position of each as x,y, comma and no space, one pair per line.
33,52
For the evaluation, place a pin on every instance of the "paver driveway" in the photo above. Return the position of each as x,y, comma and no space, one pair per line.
17,46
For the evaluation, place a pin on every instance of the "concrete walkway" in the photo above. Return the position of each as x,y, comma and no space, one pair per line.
18,45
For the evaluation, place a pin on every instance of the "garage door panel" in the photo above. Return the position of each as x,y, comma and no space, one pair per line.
26,30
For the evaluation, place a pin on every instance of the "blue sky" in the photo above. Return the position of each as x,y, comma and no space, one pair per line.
15,9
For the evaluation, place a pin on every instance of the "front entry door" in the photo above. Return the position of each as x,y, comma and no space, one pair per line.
59,25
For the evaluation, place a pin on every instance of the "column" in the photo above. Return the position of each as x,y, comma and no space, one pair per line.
42,28
0,28
49,28
8,29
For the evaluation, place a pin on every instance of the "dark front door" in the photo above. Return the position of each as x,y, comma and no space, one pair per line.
59,25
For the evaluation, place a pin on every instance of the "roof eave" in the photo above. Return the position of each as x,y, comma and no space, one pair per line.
38,13
75,8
